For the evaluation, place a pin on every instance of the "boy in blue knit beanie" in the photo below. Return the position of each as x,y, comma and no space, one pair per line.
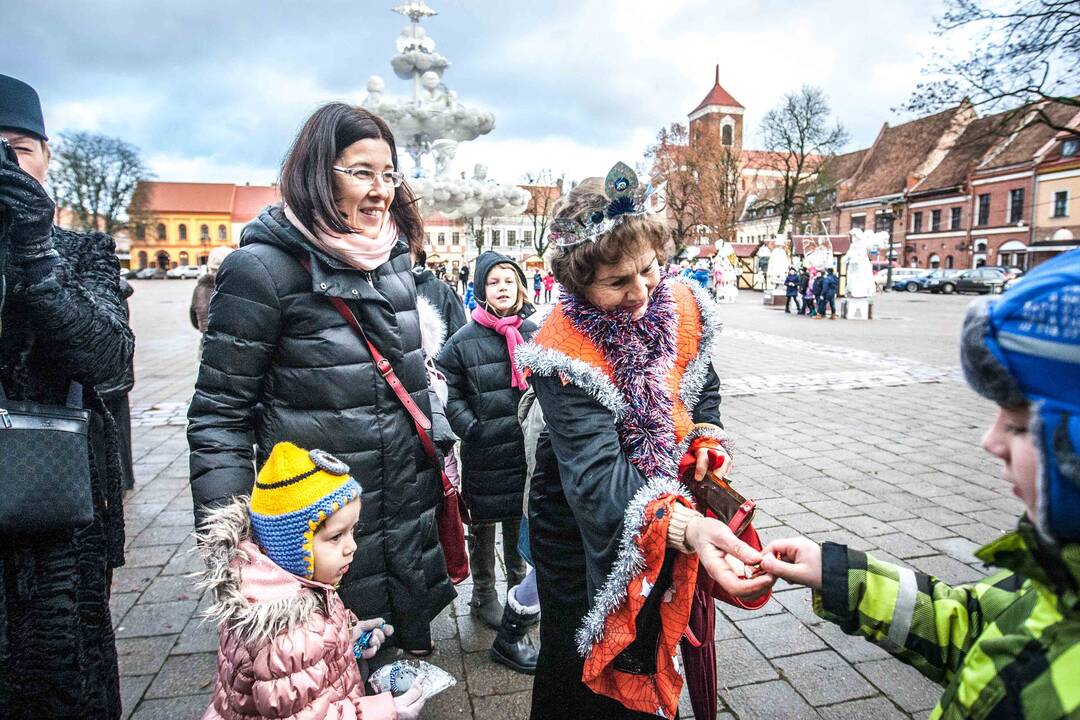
1007,646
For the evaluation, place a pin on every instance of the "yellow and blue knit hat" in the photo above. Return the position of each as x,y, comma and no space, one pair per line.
295,492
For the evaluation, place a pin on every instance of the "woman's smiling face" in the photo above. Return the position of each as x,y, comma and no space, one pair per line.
364,208
627,284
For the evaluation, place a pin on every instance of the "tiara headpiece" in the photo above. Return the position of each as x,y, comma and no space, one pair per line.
625,199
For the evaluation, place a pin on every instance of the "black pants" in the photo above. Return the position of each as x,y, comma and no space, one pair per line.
829,300
482,557
787,304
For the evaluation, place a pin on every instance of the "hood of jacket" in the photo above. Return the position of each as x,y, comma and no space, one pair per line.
271,227
484,263
1055,568
252,594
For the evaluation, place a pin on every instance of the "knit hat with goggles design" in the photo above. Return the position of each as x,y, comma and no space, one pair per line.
1024,347
295,492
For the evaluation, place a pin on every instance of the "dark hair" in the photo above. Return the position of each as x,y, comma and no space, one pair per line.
575,266
420,258
307,173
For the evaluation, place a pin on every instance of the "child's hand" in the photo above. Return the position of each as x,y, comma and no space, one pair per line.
410,703
376,630
797,560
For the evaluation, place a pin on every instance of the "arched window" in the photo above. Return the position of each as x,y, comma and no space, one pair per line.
183,257
163,260
222,233
183,232
726,136
142,259
140,231
161,232
935,262
204,233
948,261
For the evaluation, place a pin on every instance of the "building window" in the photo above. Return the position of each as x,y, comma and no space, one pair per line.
984,209
1061,204
916,223
204,234
161,235
727,136
954,219
442,238
935,221
142,259
140,231
428,236
948,261
858,222
455,238
1016,205
1070,148
496,240
511,237
183,257
222,233
183,232
528,237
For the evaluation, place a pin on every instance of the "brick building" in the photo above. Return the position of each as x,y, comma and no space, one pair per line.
1057,199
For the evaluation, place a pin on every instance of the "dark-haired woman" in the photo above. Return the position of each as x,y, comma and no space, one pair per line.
280,363
622,371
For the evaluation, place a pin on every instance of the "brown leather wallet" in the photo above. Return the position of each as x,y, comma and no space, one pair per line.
714,493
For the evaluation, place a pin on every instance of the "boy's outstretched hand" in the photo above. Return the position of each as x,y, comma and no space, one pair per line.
797,560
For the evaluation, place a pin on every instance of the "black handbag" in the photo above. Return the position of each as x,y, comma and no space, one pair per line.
44,465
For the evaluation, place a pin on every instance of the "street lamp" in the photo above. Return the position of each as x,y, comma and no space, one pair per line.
892,211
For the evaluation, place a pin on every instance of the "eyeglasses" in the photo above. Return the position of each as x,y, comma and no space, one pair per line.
366,178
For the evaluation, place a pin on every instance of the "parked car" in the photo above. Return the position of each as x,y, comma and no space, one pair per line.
899,276
933,280
128,273
1010,272
184,272
981,280
150,273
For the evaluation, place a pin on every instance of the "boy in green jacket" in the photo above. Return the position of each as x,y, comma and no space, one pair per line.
1007,646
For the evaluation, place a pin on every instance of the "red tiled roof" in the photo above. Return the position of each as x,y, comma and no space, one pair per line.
969,149
537,193
1030,140
249,201
717,96
189,197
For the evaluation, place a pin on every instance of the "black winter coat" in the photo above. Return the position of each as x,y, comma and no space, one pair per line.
482,410
279,363
57,650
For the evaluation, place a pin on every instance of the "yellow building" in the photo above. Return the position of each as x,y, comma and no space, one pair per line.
1056,214
183,222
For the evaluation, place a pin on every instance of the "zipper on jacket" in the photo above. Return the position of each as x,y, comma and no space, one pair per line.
4,419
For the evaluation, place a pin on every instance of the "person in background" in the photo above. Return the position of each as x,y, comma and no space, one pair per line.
805,292
63,322
549,285
1006,646
470,296
830,284
817,293
204,289
463,277
791,288
439,295
538,285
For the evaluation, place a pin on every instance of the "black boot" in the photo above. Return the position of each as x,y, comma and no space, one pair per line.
513,647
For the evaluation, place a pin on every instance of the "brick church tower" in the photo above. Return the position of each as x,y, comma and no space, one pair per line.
719,114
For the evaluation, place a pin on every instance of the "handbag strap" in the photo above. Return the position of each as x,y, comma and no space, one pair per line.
421,421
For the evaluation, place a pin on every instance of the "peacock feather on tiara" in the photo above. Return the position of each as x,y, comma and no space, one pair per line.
624,199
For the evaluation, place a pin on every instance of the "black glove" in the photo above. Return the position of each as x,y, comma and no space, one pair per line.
27,213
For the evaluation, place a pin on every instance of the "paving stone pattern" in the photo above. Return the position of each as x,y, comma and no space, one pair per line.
856,432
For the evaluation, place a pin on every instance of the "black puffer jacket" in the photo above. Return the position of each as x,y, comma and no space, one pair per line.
482,410
442,297
279,363
57,651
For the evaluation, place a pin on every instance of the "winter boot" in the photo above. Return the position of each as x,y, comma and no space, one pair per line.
484,604
513,647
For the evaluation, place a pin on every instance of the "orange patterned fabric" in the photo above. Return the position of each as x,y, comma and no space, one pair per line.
657,693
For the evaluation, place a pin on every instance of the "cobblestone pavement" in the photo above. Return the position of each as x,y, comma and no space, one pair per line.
857,432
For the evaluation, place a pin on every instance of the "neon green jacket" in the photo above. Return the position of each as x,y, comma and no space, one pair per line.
1005,647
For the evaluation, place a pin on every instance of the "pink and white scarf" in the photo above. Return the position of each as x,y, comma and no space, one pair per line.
508,328
356,250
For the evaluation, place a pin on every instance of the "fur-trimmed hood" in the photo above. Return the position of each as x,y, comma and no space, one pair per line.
253,595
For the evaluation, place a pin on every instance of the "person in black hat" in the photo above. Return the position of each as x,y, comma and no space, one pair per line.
63,322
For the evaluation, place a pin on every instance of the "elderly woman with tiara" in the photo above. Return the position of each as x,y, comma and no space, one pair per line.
622,372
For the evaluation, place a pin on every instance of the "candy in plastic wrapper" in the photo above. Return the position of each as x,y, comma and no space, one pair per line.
397,677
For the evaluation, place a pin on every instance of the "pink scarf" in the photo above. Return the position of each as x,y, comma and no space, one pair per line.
508,328
354,249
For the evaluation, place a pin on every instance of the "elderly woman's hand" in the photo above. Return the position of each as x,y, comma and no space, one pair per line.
713,542
707,459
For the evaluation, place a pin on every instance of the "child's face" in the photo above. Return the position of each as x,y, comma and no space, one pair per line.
1008,439
501,288
333,545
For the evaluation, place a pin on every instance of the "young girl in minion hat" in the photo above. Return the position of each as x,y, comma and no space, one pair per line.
273,563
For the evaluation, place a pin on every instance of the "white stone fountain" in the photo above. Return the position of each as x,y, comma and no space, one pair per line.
431,124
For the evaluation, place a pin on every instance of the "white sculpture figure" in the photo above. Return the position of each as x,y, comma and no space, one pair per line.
818,253
724,273
778,263
444,151
375,88
860,273
434,96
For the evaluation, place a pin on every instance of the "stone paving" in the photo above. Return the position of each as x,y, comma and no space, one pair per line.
856,432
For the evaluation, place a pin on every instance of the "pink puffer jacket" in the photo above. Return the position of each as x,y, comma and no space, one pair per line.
285,648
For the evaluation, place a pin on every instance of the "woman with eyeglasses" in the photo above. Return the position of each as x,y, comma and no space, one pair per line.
280,363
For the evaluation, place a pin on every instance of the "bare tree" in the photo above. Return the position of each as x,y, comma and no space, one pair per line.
673,164
545,190
1025,55
798,135
95,177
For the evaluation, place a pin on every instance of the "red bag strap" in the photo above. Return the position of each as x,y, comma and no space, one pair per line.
421,421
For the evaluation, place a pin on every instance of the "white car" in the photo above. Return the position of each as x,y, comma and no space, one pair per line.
184,272
898,273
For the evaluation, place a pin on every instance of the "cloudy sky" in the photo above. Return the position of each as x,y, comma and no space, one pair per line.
215,91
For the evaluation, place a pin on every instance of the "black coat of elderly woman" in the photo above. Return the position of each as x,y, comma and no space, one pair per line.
279,362
63,320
